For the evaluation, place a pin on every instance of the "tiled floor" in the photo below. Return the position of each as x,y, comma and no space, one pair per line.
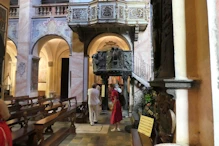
121,138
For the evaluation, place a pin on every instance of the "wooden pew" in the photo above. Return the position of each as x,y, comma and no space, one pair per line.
139,139
27,129
62,133
52,105
82,113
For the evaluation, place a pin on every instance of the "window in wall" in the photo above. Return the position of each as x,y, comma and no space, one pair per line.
13,2
54,1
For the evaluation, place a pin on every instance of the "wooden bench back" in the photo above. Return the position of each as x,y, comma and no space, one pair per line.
70,101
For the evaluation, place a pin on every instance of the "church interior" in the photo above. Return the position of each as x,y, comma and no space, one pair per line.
163,54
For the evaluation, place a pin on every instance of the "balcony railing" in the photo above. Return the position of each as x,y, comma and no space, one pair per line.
48,10
120,12
142,69
14,11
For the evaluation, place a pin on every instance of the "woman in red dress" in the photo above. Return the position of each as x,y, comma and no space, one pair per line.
116,116
5,132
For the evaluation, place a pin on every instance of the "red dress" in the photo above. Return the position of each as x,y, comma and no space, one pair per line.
5,134
117,109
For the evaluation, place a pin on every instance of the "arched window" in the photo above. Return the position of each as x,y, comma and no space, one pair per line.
54,1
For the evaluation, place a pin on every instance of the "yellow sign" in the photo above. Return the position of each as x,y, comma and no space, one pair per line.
103,91
145,125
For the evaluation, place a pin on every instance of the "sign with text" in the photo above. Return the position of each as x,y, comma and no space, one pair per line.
146,125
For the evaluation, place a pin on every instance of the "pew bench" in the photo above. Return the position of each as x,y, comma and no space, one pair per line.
139,139
27,129
22,133
50,120
82,113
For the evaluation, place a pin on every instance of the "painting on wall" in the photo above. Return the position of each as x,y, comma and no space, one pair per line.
3,22
34,74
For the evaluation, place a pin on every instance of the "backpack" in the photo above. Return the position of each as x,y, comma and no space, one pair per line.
121,99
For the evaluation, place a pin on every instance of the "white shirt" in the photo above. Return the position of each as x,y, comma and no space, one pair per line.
93,96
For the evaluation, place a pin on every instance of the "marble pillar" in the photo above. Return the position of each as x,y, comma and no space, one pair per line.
125,91
85,84
179,32
76,63
23,47
213,27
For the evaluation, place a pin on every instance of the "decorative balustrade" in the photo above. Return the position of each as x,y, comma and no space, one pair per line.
142,69
121,12
14,11
48,10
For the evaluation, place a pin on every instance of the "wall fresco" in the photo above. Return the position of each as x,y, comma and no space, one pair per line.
12,30
51,26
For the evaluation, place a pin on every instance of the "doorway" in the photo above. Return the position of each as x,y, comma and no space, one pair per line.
64,78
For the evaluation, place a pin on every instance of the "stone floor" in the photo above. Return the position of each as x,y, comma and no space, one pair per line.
121,138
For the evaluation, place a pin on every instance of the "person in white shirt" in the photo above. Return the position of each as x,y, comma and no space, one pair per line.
93,103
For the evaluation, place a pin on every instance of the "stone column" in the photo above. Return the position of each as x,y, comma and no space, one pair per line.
50,76
23,47
76,61
213,26
105,99
85,84
131,95
125,91
179,32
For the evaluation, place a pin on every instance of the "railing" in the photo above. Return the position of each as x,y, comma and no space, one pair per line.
14,11
111,11
48,10
142,69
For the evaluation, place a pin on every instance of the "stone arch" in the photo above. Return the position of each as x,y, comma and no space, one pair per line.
11,65
48,48
51,27
124,42
41,41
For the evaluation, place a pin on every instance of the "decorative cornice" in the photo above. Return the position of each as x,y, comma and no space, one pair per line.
172,83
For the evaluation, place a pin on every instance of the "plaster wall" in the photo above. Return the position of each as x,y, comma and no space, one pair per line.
198,68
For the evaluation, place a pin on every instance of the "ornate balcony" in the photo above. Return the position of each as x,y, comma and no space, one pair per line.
118,13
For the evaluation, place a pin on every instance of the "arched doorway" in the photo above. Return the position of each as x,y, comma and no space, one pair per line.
9,77
105,42
53,54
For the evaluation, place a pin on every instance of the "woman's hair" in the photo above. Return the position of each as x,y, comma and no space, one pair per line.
112,85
